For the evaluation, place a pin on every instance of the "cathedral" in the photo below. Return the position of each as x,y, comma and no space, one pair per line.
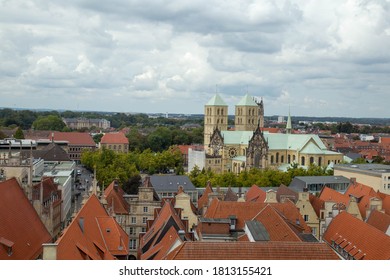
248,145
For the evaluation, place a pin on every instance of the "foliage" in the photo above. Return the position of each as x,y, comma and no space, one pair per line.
19,134
259,177
97,138
50,122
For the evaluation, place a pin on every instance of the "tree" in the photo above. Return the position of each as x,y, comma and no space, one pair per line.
19,134
50,122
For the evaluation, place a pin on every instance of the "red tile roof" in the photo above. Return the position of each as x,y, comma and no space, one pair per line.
74,138
255,194
328,194
385,140
92,234
155,239
20,225
317,203
276,226
204,199
252,251
379,220
116,202
246,211
114,138
364,194
360,239
49,187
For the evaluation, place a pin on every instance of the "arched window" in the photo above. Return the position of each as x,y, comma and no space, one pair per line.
272,159
282,159
218,111
277,157
302,160
294,158
319,161
311,160
289,159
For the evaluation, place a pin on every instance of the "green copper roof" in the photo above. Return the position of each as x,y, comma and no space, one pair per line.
216,101
306,143
247,100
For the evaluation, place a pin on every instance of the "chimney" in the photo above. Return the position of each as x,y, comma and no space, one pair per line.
352,181
116,185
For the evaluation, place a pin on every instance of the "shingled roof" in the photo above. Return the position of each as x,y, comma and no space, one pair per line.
380,221
355,238
364,194
114,138
21,231
252,251
255,194
74,138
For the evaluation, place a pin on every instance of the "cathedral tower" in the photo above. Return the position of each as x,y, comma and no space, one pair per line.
215,115
247,114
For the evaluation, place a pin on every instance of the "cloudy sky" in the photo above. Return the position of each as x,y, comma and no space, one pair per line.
318,57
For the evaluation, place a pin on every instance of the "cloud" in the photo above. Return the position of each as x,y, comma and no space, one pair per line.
165,55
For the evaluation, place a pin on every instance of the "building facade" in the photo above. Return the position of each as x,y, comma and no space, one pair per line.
249,146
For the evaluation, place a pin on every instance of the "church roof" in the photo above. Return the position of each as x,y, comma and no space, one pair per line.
216,100
247,100
305,143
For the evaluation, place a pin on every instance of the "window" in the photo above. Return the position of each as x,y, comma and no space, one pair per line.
306,217
133,244
302,160
311,160
277,157
144,220
131,231
143,229
314,231
145,209
133,220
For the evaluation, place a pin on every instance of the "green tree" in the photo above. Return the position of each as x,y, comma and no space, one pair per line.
50,122
19,134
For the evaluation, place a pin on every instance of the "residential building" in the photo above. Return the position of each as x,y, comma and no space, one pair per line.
115,141
188,210
354,239
166,186
377,176
22,232
141,210
77,142
164,233
92,235
46,199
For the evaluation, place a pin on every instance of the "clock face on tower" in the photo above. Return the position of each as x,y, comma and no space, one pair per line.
232,152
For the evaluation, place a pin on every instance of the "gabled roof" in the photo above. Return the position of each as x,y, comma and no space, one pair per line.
276,226
328,194
114,138
364,194
379,220
92,234
255,194
74,138
216,100
21,228
317,203
204,199
284,192
252,251
359,239
230,195
49,188
154,240
114,196
247,100
52,152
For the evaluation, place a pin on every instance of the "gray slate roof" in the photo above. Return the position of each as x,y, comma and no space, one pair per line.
171,183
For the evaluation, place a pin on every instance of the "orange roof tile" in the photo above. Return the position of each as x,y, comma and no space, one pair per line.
328,194
317,203
114,196
255,194
364,193
276,226
92,235
290,212
20,225
369,242
252,251
114,138
204,199
75,138
379,220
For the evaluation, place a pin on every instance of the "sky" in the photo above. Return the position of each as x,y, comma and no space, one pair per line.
312,57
